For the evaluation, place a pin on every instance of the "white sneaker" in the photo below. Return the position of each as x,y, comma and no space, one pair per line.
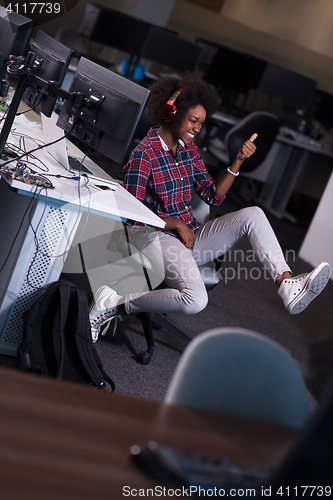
103,310
298,292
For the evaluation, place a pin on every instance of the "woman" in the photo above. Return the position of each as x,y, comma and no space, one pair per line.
167,165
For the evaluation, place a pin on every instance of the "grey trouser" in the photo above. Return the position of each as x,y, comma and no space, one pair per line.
177,265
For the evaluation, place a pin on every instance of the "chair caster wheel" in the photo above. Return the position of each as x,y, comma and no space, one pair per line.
143,357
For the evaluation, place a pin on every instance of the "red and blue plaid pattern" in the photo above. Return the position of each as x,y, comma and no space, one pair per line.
169,178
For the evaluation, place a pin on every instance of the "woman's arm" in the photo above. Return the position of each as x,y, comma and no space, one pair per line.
185,232
224,184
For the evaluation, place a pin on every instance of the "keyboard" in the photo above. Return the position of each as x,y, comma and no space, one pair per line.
289,133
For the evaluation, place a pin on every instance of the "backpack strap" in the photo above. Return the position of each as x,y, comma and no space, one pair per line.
64,293
24,359
89,356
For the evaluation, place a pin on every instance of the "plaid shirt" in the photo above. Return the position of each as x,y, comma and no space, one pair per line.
169,178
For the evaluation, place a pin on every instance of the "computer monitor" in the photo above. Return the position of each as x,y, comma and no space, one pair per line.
15,34
40,77
234,70
113,28
171,50
108,120
287,86
323,108
52,58
208,52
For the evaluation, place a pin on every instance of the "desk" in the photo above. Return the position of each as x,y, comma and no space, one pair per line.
64,441
222,117
54,214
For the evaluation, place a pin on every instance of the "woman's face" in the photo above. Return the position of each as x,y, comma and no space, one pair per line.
191,123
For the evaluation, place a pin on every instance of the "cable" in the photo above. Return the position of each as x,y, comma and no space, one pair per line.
40,147
30,109
45,176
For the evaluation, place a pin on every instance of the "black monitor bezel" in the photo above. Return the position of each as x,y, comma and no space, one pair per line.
93,78
56,54
113,28
16,31
287,86
234,70
171,50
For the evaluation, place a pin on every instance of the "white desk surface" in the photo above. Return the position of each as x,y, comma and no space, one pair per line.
312,147
114,203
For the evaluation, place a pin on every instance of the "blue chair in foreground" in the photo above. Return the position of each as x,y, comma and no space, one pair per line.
239,372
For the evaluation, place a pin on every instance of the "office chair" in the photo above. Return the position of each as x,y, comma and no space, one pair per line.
139,263
150,321
242,373
266,125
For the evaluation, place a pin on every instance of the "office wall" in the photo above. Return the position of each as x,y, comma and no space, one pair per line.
306,23
154,11
294,33
318,243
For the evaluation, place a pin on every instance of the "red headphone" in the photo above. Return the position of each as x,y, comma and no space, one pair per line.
169,109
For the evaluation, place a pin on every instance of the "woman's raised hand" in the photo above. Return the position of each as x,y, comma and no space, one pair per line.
248,148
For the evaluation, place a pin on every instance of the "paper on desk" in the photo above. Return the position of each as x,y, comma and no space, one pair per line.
23,121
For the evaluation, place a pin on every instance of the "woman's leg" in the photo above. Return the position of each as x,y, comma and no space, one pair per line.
218,236
172,263
185,292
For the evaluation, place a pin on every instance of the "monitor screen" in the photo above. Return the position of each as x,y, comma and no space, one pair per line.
234,70
323,108
287,86
53,59
15,34
113,28
208,52
171,50
107,122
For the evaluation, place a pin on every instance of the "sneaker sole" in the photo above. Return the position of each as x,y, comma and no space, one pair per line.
313,287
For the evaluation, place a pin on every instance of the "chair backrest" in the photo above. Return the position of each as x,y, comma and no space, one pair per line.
200,209
239,372
266,125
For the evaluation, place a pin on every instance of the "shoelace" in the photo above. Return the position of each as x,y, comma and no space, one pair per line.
296,278
106,321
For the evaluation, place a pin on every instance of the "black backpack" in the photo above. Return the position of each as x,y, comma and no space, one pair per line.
56,338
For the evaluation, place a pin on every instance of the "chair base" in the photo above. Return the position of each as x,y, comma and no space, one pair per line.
149,320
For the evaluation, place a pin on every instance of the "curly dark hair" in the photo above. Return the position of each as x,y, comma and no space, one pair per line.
196,92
